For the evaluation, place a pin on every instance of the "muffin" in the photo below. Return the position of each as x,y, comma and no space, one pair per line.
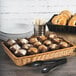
52,35
10,42
22,41
57,40
47,42
64,44
20,52
26,46
42,38
53,47
38,43
33,40
33,50
14,47
42,48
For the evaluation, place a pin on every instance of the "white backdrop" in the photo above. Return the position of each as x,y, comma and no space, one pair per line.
16,16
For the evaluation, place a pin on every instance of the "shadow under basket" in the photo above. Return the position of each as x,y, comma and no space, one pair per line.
20,61
60,28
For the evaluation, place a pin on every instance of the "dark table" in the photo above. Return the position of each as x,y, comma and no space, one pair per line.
8,68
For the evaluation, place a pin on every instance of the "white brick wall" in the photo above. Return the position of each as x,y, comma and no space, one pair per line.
15,14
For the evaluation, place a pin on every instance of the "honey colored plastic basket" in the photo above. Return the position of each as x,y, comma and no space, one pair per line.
20,61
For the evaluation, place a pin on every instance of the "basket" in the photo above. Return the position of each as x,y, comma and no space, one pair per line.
60,28
20,61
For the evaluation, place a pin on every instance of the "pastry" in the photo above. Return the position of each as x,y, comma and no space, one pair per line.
22,41
20,52
52,35
72,21
57,39
33,50
33,40
10,42
67,14
14,47
27,46
42,38
59,20
38,43
53,47
64,44
42,48
47,42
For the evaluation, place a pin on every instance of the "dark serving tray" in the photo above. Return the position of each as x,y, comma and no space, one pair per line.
60,28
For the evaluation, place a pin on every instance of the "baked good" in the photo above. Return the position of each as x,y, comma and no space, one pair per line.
33,50
42,48
47,42
33,40
72,21
67,14
20,52
14,47
22,41
57,40
64,44
59,20
38,43
42,38
10,42
54,46
27,46
52,35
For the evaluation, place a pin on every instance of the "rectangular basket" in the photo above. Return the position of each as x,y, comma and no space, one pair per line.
60,28
20,61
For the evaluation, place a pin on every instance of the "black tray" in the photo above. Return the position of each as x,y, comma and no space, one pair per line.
60,28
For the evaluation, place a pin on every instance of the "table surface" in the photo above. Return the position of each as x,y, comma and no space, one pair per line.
8,68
